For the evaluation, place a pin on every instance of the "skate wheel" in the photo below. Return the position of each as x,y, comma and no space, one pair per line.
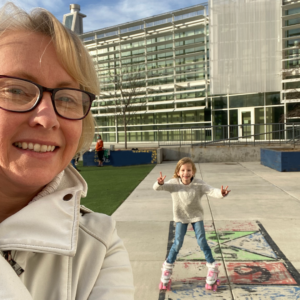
218,282
215,287
208,287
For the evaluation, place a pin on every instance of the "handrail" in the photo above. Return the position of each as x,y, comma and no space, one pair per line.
231,134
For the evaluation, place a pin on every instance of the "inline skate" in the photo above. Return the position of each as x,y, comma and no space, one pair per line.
165,280
212,280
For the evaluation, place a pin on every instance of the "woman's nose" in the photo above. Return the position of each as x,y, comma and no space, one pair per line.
44,114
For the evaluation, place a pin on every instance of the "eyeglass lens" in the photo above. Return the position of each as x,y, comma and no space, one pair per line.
20,96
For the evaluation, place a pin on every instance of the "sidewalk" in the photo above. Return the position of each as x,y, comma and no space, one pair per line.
257,243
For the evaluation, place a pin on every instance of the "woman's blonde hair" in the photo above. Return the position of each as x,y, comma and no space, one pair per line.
70,51
181,162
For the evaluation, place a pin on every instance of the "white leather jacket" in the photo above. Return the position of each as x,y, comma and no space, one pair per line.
63,250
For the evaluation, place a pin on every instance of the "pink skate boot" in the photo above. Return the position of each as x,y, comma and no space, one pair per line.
165,280
212,280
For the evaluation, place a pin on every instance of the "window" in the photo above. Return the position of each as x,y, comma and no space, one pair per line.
89,38
293,32
189,15
69,21
132,28
137,52
127,53
164,38
159,22
219,102
102,35
151,41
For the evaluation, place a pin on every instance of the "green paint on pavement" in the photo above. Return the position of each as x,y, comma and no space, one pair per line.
229,253
223,236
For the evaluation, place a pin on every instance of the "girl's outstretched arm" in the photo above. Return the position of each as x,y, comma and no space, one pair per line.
160,184
214,192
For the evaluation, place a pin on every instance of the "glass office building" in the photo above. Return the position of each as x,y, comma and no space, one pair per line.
171,55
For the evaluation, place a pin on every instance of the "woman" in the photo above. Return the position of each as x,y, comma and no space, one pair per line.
99,150
51,247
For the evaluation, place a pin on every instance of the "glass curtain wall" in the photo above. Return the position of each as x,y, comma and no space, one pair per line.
168,55
290,66
168,58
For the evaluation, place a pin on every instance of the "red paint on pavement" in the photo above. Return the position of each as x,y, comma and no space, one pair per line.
259,273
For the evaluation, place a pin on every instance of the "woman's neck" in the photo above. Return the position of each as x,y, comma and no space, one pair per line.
11,203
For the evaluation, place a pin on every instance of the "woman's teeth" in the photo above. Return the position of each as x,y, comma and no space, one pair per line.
35,147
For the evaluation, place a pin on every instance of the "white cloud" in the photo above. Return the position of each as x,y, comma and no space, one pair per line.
105,13
53,6
101,15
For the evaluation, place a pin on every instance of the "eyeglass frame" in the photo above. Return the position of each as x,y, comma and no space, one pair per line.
43,89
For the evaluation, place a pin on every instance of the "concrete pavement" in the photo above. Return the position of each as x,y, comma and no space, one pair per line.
254,235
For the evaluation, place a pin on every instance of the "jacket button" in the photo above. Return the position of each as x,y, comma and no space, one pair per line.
68,197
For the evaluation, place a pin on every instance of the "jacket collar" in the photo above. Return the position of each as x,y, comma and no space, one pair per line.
50,224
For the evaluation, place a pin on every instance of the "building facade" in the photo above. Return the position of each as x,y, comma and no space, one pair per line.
168,56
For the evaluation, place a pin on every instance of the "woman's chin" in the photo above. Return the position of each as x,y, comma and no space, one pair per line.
33,178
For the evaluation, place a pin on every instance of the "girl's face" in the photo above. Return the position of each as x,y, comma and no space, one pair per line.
186,173
32,56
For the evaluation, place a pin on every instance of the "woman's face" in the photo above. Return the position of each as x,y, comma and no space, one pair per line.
32,56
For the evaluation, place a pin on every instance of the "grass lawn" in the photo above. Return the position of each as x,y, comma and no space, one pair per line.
109,186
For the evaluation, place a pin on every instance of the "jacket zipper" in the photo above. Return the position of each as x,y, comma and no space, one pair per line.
8,257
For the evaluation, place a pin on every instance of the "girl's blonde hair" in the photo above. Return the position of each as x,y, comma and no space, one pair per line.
183,161
70,51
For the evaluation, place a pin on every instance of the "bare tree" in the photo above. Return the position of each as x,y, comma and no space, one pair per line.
128,97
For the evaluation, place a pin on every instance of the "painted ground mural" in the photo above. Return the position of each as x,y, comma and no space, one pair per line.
250,263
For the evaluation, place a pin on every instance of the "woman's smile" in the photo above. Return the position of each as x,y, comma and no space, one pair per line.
35,147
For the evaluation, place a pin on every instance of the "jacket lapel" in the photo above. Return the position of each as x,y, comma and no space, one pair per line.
50,224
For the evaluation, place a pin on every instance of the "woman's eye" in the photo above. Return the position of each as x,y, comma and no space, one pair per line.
15,91
65,99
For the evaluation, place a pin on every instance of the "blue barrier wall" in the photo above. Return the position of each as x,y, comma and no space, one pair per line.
122,158
280,160
133,157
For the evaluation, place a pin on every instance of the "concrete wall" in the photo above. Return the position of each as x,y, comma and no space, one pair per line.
241,153
159,152
225,154
176,153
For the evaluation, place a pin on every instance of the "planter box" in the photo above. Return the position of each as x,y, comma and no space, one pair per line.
122,158
282,160
133,157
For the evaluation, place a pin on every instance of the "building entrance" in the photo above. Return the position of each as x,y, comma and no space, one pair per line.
246,123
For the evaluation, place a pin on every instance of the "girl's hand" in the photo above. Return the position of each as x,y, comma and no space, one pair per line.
225,192
161,179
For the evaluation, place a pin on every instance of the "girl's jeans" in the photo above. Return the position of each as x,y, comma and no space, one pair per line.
180,232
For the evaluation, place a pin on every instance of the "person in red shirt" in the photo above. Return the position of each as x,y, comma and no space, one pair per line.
99,150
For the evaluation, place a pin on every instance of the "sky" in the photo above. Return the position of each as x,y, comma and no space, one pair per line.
105,13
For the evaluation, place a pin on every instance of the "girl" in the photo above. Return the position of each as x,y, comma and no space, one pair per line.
186,192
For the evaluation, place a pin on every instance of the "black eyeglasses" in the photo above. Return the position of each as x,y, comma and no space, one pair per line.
21,95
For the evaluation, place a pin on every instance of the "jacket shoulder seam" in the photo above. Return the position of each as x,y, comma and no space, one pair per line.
93,235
